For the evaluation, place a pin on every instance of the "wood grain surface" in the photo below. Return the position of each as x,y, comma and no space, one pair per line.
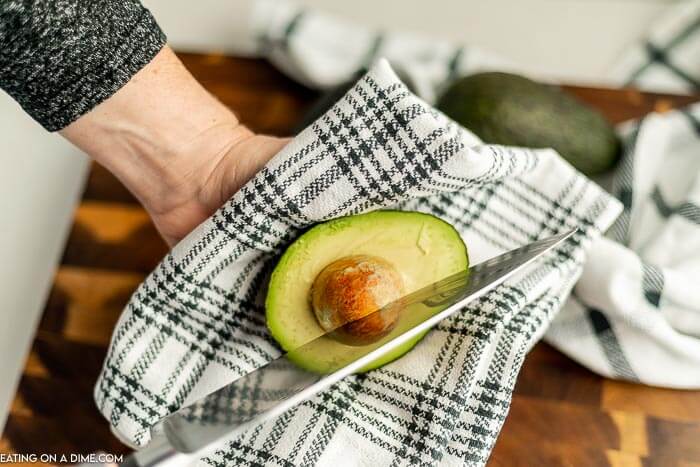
562,414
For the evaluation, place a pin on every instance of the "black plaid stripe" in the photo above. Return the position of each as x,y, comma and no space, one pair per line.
692,119
610,344
358,153
192,378
623,184
502,167
126,398
558,217
291,27
337,403
221,300
241,218
280,427
454,63
659,55
465,210
424,158
425,440
175,375
494,393
687,210
205,334
652,283
383,129
267,43
146,359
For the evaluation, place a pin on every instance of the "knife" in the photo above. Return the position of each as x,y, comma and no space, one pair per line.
197,429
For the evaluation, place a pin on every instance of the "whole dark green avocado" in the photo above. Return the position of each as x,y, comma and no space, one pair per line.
507,109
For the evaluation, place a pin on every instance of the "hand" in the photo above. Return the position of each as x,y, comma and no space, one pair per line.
203,191
179,150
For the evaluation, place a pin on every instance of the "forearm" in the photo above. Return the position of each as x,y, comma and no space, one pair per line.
160,133
98,71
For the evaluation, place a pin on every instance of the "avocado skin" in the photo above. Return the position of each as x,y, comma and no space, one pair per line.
507,109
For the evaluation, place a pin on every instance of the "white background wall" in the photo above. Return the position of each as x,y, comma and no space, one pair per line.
40,181
576,40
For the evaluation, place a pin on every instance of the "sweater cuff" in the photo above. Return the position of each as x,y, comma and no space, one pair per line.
61,59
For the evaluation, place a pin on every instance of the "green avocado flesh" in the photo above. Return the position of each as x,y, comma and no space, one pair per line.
421,247
501,108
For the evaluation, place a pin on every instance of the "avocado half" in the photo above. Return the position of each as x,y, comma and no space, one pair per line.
422,248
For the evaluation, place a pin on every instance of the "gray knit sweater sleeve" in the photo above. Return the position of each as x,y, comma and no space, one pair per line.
60,58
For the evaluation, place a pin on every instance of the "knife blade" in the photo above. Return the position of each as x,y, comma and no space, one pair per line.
281,384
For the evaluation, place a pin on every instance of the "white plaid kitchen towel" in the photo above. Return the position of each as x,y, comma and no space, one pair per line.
668,59
635,314
197,322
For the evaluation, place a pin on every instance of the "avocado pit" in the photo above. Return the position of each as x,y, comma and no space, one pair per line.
349,289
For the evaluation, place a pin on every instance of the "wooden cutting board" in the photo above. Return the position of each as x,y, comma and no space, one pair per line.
562,414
